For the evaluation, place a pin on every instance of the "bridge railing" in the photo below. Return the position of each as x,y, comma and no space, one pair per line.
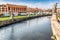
55,27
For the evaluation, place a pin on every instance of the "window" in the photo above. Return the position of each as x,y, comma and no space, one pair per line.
8,8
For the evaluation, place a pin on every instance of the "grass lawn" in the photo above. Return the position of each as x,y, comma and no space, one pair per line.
58,16
15,17
8,18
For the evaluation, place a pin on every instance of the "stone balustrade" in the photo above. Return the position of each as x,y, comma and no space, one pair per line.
55,27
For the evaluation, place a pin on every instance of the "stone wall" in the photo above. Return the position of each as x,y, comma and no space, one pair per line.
9,22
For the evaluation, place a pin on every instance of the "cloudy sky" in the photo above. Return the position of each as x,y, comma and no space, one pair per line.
32,3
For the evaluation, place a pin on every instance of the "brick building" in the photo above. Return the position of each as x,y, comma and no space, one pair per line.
32,10
8,8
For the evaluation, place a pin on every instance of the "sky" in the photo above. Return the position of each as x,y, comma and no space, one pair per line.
44,4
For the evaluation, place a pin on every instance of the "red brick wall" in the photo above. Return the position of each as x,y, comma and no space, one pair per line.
16,8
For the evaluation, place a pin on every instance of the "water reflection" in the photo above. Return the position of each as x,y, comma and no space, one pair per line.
34,29
12,33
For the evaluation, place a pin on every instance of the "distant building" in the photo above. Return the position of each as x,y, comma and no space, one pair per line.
8,8
32,10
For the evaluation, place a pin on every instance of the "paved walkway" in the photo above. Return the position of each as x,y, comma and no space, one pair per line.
55,27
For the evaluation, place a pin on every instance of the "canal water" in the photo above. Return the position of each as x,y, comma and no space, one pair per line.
34,29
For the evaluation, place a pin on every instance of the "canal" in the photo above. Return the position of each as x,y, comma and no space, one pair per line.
34,29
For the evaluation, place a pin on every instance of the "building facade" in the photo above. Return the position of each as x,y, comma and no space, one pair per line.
16,9
32,10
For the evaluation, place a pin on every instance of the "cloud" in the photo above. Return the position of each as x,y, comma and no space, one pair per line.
43,5
33,5
19,3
